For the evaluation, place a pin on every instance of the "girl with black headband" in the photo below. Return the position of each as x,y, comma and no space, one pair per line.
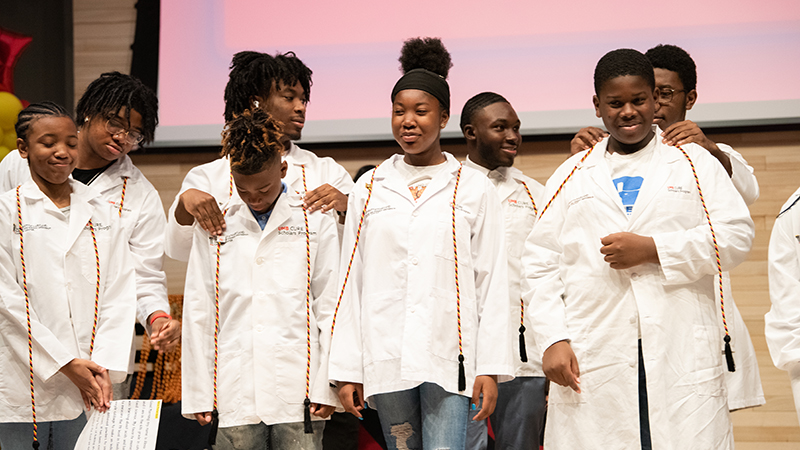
422,320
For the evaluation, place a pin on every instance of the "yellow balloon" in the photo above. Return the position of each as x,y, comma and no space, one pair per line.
4,151
9,138
10,106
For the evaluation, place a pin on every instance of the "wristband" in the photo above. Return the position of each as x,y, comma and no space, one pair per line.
158,316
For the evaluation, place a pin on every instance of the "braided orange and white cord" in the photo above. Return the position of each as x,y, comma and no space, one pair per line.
28,309
523,353
307,402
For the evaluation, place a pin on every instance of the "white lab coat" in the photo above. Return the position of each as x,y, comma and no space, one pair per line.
782,322
397,323
214,178
262,339
519,215
61,275
142,221
744,385
575,295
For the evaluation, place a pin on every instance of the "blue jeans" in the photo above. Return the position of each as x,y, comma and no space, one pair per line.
423,418
19,435
260,436
518,418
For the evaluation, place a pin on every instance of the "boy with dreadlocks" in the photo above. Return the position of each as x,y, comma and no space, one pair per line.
257,339
281,86
621,269
116,114
66,291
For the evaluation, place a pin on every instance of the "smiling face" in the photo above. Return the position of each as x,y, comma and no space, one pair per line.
495,132
287,104
682,101
627,105
260,190
417,122
98,147
51,149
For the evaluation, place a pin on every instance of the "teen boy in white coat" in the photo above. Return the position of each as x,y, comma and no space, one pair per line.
676,80
491,128
263,268
600,280
283,90
782,322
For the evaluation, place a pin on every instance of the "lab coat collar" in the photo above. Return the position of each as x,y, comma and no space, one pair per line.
598,170
280,212
502,174
390,178
114,175
80,205
295,158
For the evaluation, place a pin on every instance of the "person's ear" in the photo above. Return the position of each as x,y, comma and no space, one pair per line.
691,98
22,148
469,132
596,102
284,168
444,118
257,101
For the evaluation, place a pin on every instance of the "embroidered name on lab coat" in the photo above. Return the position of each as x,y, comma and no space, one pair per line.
575,201
98,227
116,205
372,211
224,239
28,227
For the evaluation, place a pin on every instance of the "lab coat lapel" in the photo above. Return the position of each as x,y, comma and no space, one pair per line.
280,214
387,176
441,180
80,212
597,169
656,177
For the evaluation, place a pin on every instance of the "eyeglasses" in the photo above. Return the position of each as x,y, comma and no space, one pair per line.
665,94
132,137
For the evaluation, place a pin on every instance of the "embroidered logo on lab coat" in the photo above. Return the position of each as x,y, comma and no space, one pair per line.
514,203
28,227
98,227
575,201
294,230
678,190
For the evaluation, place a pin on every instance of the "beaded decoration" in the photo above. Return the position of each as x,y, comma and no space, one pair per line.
523,354
28,310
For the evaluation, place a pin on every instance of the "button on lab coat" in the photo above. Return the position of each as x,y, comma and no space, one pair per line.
575,295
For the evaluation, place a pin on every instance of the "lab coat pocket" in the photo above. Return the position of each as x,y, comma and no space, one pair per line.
678,210
522,222
230,379
444,324
384,321
708,368
290,370
290,261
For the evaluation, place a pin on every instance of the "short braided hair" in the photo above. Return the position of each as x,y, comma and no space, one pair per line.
34,112
252,140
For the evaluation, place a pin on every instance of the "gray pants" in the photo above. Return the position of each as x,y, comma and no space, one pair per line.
288,436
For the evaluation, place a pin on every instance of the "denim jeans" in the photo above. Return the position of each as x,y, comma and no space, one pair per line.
423,418
518,418
19,436
260,436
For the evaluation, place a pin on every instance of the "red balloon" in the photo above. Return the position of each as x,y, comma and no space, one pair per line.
11,45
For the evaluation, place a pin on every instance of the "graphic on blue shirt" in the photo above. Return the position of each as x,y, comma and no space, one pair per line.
628,189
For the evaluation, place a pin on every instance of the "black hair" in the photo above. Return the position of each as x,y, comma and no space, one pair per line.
676,59
362,170
622,62
254,73
251,140
34,112
476,104
108,94
425,53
